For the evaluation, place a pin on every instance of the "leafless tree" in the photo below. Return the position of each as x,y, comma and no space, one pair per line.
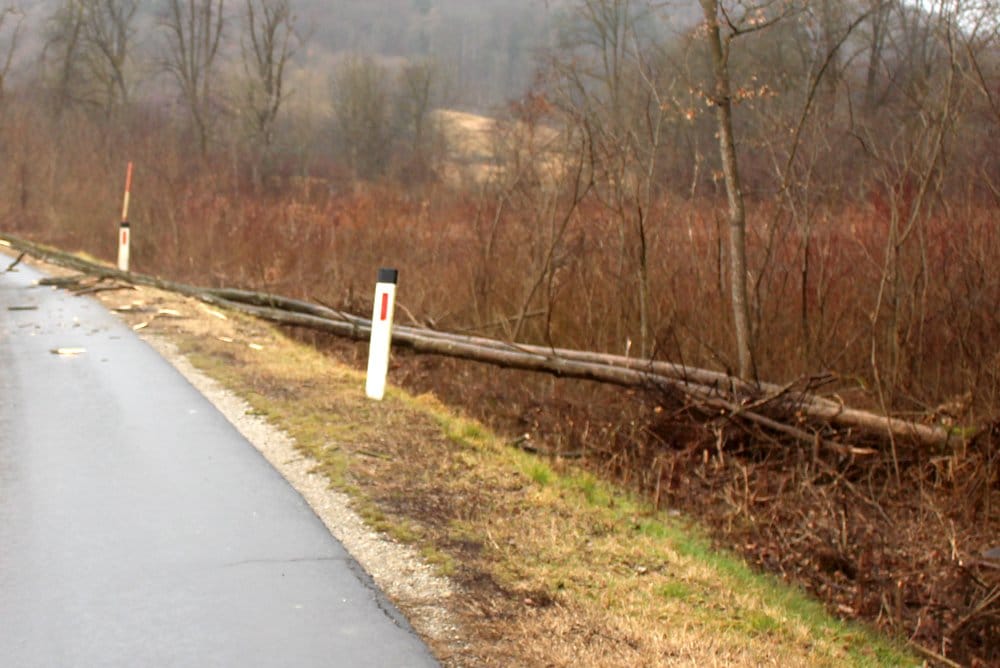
417,91
11,18
723,24
611,89
107,33
909,170
794,111
362,116
542,175
88,51
61,54
722,98
879,28
268,43
194,31
980,46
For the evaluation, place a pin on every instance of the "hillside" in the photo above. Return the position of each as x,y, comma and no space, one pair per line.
489,50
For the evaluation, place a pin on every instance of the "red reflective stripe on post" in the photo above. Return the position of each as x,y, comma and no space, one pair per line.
385,306
128,191
124,237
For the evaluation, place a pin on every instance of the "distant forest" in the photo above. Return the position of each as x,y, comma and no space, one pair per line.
488,49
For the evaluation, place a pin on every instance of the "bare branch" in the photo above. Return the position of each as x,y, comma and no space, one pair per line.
193,30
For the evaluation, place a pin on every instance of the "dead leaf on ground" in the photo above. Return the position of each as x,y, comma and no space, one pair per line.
214,314
68,352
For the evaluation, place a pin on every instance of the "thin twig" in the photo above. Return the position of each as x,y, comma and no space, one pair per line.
933,656
16,262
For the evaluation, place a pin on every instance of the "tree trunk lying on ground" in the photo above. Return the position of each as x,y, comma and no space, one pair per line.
712,390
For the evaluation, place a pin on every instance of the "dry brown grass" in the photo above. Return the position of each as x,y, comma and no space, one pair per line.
481,149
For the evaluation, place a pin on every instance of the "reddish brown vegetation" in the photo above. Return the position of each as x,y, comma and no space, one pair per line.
894,538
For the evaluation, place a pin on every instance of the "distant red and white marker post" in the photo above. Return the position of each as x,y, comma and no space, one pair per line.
378,349
124,233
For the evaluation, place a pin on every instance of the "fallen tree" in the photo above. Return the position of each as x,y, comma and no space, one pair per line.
788,406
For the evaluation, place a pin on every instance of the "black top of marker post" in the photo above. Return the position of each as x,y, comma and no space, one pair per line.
124,223
388,276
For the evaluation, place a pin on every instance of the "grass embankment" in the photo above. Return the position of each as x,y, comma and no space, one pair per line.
554,566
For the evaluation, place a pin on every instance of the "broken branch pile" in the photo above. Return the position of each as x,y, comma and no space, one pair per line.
783,408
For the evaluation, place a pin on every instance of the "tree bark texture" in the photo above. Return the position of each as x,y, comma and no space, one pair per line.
722,99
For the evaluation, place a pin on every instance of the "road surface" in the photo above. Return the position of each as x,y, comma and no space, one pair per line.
139,528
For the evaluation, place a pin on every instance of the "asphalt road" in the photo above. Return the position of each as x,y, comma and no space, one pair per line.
139,528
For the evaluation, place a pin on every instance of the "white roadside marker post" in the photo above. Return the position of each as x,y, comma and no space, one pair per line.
124,231
381,339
